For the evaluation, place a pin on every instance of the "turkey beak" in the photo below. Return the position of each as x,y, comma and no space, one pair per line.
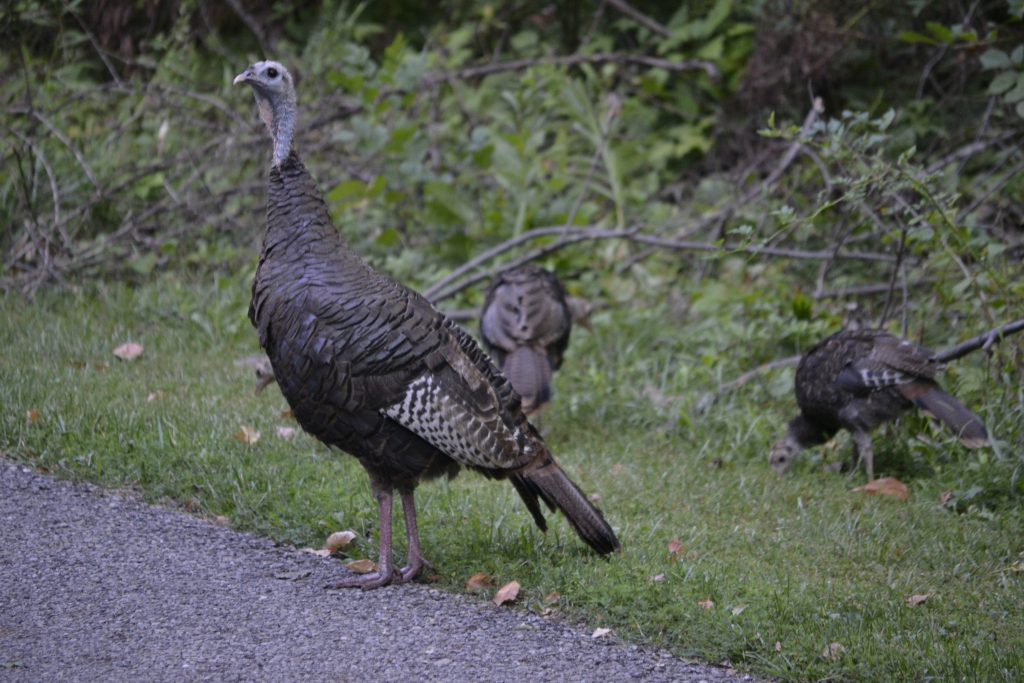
243,77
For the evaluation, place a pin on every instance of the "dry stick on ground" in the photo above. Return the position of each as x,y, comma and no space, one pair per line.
982,341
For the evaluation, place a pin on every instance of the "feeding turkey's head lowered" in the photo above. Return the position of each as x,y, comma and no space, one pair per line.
275,96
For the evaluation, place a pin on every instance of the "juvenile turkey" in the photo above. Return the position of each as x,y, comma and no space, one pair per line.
525,326
858,379
372,368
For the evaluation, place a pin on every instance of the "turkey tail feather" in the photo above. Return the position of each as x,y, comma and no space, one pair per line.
967,426
549,483
530,373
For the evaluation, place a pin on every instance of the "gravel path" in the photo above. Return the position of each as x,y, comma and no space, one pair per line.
97,586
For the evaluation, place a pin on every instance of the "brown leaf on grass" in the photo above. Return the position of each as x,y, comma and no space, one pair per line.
286,433
738,610
601,633
833,651
675,548
361,566
154,396
594,497
222,520
339,540
129,351
657,578
479,582
32,416
507,593
288,414
246,435
1017,566
706,603
78,364
886,486
100,367
552,598
319,552
945,497
915,600
778,646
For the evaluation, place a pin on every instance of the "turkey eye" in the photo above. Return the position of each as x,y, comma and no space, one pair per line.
272,72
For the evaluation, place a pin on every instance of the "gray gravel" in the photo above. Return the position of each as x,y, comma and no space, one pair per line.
97,586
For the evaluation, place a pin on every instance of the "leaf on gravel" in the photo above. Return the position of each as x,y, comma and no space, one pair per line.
833,651
319,552
246,435
129,351
507,593
339,540
361,566
222,520
738,610
886,486
657,578
154,396
32,416
286,433
675,548
915,600
479,582
601,633
706,603
552,597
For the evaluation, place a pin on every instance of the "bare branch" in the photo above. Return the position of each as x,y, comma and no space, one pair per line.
482,70
982,341
707,399
640,18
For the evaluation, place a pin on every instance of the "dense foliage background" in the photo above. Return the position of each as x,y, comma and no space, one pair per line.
727,180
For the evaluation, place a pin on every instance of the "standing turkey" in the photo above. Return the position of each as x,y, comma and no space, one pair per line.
858,379
372,368
525,326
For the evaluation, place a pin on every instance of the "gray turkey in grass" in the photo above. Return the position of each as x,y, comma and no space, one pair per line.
372,368
858,379
525,326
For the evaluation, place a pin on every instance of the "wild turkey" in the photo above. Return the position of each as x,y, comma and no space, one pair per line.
525,326
372,368
858,379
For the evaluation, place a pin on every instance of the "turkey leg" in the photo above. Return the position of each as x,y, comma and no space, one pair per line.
385,574
412,534
865,452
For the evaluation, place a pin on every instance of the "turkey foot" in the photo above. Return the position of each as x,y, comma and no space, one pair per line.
385,574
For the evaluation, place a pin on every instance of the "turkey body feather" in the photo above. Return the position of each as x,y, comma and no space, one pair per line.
370,367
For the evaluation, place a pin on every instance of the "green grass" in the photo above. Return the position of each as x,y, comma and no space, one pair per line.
791,564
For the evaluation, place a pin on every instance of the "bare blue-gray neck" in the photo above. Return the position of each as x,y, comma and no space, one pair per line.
278,111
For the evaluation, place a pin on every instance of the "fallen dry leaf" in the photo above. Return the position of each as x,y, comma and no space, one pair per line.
738,610
285,433
778,646
154,396
616,469
222,520
288,414
479,582
361,566
1017,566
32,416
601,633
319,552
246,435
129,351
657,578
594,497
833,651
674,549
552,597
78,364
706,603
507,593
915,600
886,486
100,367
945,497
339,540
